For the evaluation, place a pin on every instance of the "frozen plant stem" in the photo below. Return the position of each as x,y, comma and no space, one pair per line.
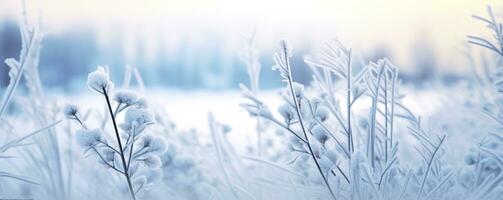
372,134
386,117
350,136
299,115
429,167
79,121
10,90
393,85
126,170
213,130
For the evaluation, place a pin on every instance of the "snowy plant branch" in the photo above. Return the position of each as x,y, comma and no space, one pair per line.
283,65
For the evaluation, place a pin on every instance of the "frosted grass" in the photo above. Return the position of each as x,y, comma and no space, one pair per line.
354,132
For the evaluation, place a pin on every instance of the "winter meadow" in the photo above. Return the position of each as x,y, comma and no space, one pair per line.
208,100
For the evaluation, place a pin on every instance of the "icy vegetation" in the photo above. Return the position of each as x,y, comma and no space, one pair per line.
347,135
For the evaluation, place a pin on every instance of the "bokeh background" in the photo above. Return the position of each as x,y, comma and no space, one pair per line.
195,44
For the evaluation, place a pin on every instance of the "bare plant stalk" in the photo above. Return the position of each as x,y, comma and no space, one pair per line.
218,150
429,167
393,91
386,143
23,60
126,170
253,69
299,115
372,135
350,135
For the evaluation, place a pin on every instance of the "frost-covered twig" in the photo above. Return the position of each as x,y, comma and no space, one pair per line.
123,159
497,29
283,65
437,148
17,67
213,130
337,59
138,149
15,142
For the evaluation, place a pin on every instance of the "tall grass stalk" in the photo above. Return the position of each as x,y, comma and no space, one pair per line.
429,167
373,121
251,59
216,143
348,106
18,67
393,94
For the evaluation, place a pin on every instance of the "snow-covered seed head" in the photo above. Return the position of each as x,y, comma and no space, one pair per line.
492,145
317,148
152,175
332,156
141,103
139,180
108,155
295,142
99,80
285,47
490,108
255,110
298,89
363,122
470,159
136,118
265,112
88,138
316,101
322,113
70,111
152,161
320,134
126,97
286,111
168,156
155,145
489,165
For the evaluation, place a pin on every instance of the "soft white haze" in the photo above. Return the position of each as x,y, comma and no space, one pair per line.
392,25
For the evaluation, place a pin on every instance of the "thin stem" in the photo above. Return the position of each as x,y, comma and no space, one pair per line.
343,174
286,128
126,171
429,167
80,121
386,117
299,115
104,161
384,172
372,134
138,189
393,87
219,152
117,109
131,149
110,147
336,114
350,136
127,142
333,136
10,90
260,153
